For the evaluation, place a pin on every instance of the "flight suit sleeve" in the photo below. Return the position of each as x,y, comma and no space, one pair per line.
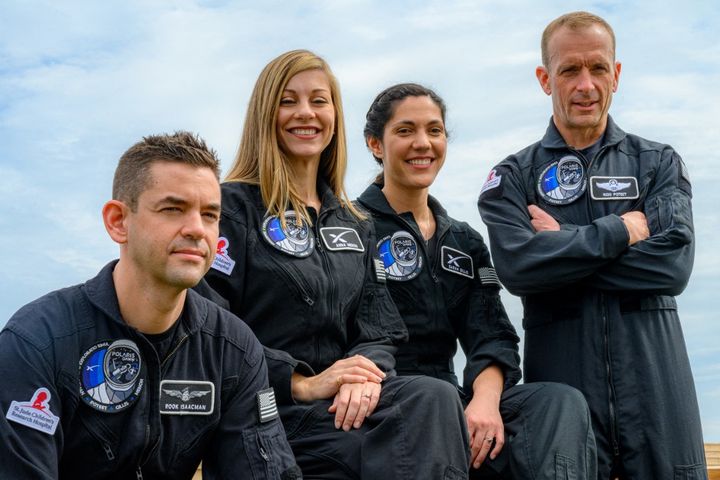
486,335
28,451
250,437
530,262
377,327
662,263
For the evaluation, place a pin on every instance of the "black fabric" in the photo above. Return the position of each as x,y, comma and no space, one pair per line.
598,313
41,347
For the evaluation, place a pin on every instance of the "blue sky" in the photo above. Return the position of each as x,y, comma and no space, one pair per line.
80,81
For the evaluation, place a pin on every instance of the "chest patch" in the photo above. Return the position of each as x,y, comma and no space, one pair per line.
295,239
187,397
36,413
614,188
222,261
110,376
456,261
341,238
400,255
562,182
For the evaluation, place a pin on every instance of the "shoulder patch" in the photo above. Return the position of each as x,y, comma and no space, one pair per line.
457,262
493,186
35,413
341,238
488,277
222,261
380,274
187,397
400,255
563,181
267,407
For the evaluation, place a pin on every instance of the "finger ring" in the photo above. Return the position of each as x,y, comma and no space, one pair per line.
489,439
338,380
367,396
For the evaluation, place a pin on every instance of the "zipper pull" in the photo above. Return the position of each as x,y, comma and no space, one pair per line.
138,473
108,451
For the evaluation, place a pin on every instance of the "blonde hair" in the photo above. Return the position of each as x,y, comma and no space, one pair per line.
259,159
573,21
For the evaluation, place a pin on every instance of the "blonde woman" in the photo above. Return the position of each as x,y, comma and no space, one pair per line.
297,262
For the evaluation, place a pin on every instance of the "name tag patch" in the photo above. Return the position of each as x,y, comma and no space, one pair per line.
614,188
35,414
341,238
187,397
456,261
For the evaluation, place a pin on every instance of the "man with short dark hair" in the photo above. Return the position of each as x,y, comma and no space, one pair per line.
593,228
131,374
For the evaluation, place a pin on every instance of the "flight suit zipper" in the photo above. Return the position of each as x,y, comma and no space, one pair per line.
610,384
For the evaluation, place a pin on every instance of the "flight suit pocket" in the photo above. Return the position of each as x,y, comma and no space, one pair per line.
266,456
565,468
690,472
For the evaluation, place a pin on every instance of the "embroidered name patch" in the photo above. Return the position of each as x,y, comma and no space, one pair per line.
36,413
614,188
487,276
222,261
341,238
110,376
456,261
295,239
562,182
187,397
267,408
400,255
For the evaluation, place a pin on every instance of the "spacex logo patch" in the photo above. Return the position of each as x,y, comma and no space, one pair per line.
458,262
341,238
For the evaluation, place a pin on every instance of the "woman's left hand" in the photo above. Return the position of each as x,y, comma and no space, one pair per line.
485,427
353,403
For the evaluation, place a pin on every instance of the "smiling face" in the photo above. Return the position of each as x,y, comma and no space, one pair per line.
306,116
581,77
172,236
413,146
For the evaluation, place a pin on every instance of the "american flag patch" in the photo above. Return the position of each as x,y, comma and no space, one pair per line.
380,274
488,276
267,408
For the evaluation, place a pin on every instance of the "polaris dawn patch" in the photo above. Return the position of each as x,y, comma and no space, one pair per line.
614,188
110,379
295,239
35,413
222,261
456,261
341,238
400,255
187,397
562,182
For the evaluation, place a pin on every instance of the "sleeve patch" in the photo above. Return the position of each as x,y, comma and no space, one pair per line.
267,408
488,277
35,413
